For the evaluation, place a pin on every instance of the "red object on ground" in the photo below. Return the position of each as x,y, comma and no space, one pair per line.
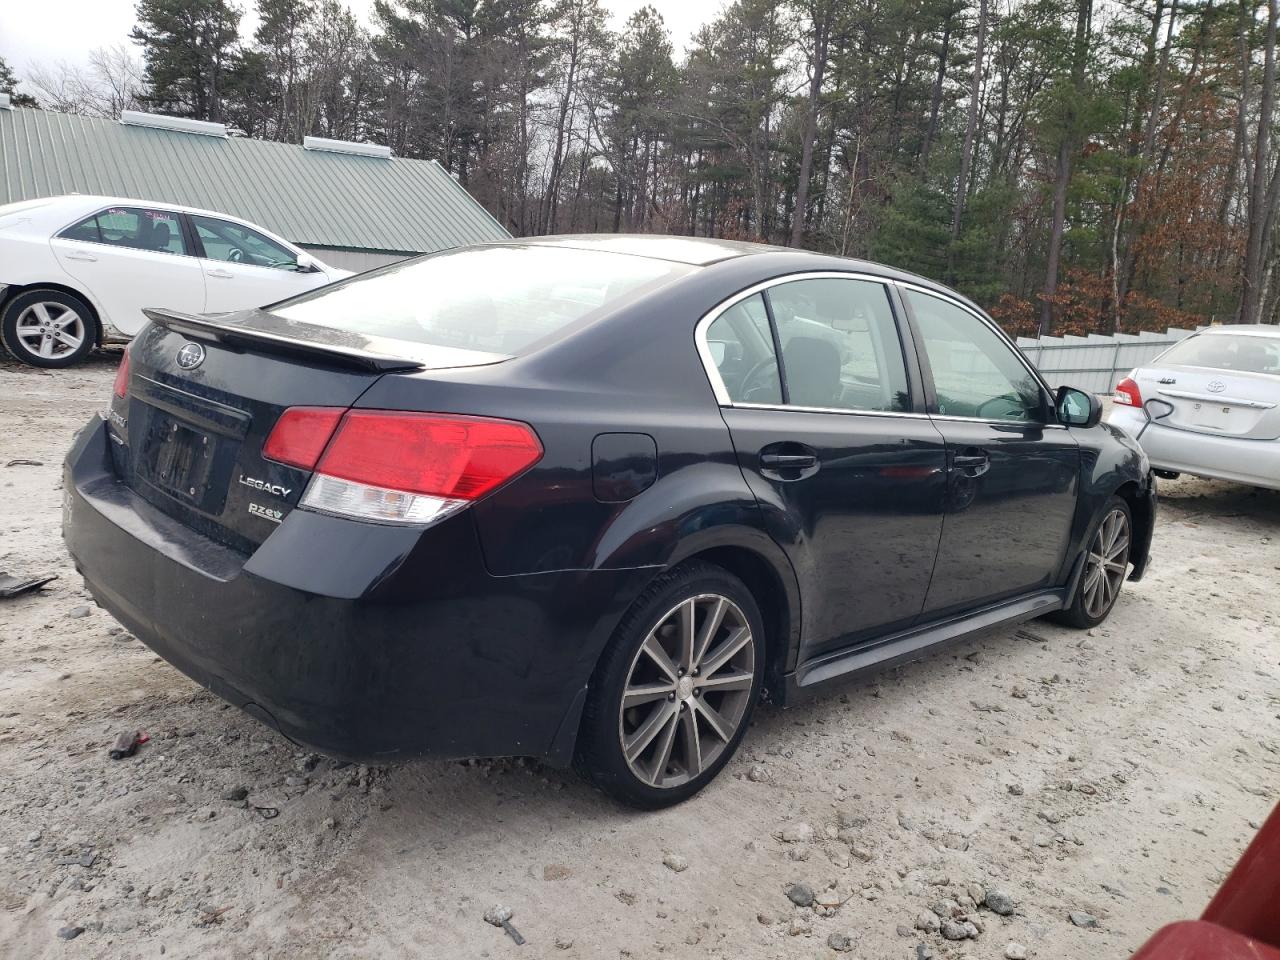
1242,922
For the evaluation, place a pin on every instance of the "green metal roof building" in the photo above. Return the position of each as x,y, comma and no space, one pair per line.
354,204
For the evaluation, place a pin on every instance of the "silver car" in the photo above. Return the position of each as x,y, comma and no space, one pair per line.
1209,406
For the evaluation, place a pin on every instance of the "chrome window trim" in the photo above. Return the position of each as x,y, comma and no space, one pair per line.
177,215
722,394
700,332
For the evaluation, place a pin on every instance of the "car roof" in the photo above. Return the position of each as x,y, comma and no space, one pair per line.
705,251
90,202
1245,329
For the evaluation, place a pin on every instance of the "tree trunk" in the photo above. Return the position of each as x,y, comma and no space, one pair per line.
975,92
822,15
1066,151
1260,196
935,100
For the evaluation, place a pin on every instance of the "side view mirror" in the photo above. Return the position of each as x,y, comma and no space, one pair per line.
306,263
719,350
1078,408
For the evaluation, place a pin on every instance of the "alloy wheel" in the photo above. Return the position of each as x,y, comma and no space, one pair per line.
687,690
1107,564
50,330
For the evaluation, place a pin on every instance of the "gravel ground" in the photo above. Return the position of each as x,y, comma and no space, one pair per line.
1063,793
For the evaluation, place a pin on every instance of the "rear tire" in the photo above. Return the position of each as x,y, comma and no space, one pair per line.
48,328
688,657
1106,566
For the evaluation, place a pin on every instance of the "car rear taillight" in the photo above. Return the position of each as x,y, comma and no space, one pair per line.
1127,393
300,435
401,467
121,387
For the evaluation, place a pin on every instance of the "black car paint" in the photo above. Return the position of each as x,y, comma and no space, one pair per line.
479,635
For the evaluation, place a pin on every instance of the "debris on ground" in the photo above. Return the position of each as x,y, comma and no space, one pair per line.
11,586
676,862
23,462
498,914
127,744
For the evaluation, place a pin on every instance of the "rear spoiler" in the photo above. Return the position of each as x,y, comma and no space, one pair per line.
224,329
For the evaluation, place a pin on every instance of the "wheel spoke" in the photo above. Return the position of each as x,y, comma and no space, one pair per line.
714,720
723,653
67,339
42,312
659,656
687,611
733,680
692,743
1117,548
662,756
643,693
709,630
68,317
638,741
46,346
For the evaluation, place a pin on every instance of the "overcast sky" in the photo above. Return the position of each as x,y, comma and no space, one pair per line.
36,31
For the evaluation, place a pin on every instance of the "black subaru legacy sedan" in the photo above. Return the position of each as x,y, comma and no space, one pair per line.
589,498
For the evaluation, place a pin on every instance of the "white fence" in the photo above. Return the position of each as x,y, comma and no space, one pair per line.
1096,363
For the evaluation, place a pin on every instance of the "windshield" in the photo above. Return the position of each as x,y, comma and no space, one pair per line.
1228,351
498,299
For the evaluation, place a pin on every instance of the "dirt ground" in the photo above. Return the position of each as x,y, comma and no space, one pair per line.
1113,776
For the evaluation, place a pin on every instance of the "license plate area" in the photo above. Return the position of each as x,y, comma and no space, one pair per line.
185,462
1213,416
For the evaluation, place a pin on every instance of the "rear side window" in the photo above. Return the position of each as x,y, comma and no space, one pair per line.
742,349
1228,351
137,228
497,299
840,346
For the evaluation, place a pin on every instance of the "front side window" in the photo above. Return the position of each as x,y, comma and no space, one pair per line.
1228,351
840,346
233,243
975,373
137,228
741,347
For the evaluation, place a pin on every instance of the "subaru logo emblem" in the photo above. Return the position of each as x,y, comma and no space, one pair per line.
1216,386
191,356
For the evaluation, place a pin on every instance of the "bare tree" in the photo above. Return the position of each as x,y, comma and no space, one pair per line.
112,82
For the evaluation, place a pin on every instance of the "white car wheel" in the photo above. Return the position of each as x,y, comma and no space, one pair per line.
48,328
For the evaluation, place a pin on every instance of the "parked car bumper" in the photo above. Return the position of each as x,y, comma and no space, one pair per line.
384,642
1255,462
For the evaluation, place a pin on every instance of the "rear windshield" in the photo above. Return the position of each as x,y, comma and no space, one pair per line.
1228,351
499,299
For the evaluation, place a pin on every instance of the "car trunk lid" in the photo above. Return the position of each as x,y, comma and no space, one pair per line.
203,394
1228,403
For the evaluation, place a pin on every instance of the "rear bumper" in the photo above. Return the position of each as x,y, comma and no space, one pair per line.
361,641
1255,462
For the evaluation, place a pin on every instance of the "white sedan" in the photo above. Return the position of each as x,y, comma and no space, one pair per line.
1209,406
78,271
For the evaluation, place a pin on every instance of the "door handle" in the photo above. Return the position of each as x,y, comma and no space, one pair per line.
788,461
972,461
87,257
221,274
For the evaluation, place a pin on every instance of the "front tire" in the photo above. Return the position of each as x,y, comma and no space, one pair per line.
48,328
674,692
1106,565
